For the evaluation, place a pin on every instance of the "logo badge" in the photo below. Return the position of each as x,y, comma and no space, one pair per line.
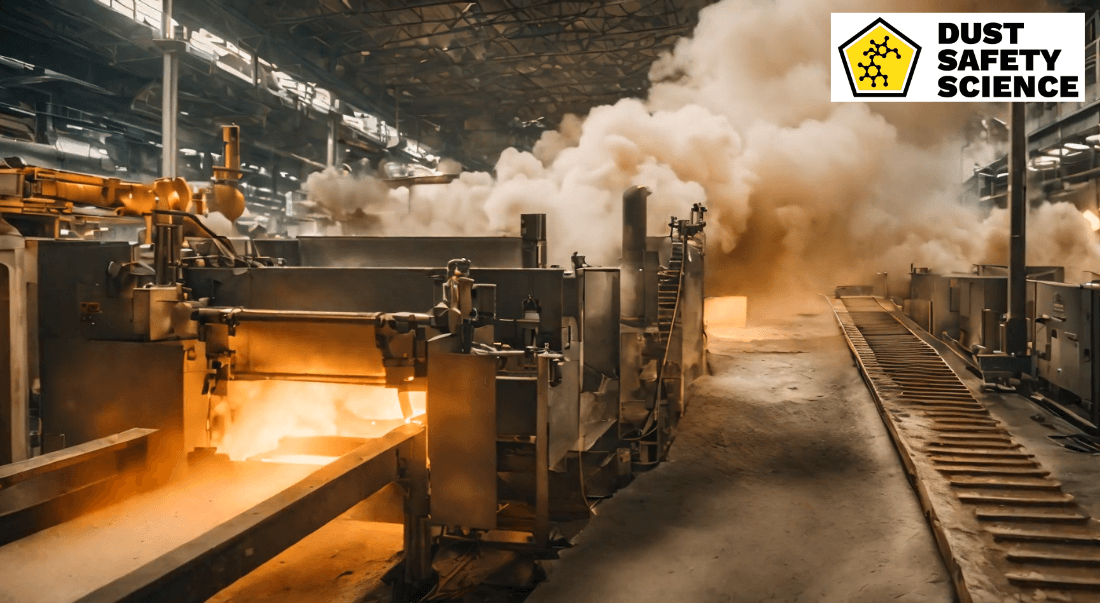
879,61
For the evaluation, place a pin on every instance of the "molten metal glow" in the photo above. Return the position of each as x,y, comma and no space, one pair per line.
300,459
260,413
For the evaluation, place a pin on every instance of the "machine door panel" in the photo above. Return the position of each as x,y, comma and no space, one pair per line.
462,437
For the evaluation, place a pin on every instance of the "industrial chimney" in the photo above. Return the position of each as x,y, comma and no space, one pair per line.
632,277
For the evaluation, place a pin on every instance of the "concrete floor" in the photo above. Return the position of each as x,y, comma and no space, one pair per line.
783,486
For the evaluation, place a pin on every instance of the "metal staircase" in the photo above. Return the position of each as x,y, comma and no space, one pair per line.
668,290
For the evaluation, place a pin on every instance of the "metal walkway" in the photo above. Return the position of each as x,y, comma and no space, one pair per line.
1006,529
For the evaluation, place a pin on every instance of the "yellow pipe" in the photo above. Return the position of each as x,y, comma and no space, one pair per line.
226,197
134,199
231,136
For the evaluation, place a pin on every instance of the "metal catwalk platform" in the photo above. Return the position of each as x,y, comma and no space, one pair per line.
1003,523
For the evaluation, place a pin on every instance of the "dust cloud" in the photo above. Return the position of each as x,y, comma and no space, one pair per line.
804,194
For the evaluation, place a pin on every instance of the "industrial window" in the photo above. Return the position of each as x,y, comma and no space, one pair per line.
143,11
226,55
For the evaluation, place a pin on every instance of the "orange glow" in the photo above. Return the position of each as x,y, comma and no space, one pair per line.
1092,219
260,413
725,315
300,459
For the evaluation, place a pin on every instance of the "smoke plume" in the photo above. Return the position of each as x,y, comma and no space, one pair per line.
804,194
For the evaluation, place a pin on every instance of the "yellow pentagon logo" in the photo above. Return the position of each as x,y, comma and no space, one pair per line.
879,60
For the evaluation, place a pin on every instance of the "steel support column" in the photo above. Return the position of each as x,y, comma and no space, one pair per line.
1016,323
169,107
331,147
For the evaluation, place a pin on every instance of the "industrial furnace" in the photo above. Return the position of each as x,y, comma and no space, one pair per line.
538,386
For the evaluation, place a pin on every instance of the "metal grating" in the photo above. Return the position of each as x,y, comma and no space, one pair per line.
1003,523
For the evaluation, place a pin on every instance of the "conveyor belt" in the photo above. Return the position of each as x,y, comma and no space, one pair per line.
1003,523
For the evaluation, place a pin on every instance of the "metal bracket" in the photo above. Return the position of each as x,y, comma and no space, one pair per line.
995,366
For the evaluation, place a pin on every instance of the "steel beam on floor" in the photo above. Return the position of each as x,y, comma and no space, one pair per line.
52,488
197,570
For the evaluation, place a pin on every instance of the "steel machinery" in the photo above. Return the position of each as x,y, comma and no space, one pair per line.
967,311
537,387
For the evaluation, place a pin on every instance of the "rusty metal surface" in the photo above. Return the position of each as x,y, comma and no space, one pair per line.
200,568
1006,529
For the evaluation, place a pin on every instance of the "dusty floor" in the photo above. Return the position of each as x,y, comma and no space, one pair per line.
783,486
88,552
343,562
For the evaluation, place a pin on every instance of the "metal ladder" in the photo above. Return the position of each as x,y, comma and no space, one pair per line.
668,290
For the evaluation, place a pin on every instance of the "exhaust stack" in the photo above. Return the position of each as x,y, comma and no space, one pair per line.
632,277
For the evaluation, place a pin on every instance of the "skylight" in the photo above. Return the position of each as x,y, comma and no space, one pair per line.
236,61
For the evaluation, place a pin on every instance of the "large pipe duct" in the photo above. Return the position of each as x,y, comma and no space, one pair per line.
1016,323
632,276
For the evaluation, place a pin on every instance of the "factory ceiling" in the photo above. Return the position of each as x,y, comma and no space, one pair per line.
410,79
488,74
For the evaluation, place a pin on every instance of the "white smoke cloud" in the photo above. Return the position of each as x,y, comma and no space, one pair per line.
804,194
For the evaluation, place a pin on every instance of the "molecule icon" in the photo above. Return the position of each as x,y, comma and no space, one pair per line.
877,51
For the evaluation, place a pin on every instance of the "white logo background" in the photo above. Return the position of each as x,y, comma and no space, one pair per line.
1044,31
